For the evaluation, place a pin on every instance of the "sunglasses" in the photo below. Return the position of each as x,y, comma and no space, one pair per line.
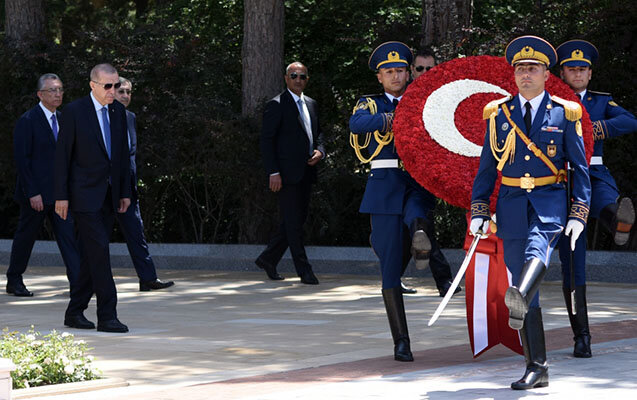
108,86
122,91
420,68
294,75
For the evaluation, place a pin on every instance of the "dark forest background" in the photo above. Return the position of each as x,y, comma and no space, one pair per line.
202,179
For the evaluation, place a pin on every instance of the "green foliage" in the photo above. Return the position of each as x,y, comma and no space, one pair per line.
46,360
202,179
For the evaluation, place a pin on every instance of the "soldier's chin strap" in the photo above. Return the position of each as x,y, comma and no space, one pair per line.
381,139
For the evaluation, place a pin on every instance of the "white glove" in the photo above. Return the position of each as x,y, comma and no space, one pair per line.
477,224
574,228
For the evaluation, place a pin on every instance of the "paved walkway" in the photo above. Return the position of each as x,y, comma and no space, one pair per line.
235,335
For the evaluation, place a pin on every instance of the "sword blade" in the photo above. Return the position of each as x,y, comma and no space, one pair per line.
457,279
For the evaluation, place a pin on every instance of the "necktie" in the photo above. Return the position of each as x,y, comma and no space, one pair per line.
107,131
54,126
527,117
305,116
395,102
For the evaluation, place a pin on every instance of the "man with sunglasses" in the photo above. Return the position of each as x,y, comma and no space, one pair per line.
423,62
131,222
291,146
92,181
34,141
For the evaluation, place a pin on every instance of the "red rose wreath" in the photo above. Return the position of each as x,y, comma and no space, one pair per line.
439,129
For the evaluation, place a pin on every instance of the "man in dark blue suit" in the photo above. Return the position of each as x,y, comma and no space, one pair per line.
131,221
291,145
399,207
34,140
576,58
530,137
92,180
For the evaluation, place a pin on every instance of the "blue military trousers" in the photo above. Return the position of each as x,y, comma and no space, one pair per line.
540,243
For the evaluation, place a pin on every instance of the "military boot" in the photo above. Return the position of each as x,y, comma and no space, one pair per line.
579,321
517,299
532,335
619,219
395,308
420,243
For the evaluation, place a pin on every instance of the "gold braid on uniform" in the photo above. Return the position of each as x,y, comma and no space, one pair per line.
598,131
572,112
381,139
508,148
480,208
579,211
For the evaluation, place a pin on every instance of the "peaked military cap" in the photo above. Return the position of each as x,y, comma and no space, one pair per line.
390,55
530,49
577,53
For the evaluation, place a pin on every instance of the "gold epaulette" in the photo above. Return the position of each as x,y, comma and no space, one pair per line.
366,103
572,110
492,107
596,92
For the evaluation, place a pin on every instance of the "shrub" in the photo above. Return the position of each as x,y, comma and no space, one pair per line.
45,360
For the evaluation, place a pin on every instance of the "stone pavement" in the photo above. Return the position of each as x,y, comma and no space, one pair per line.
236,335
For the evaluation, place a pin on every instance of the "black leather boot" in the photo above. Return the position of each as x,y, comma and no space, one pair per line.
537,370
395,307
420,243
619,219
518,298
579,321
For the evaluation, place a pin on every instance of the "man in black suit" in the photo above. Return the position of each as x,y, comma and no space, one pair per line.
291,145
131,222
34,140
92,179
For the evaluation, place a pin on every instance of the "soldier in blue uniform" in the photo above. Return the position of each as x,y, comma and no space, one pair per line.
529,138
576,58
392,197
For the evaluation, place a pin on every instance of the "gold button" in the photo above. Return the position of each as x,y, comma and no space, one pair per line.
527,158
527,174
371,174
552,141
528,190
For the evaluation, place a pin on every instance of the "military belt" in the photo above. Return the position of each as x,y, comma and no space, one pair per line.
391,163
530,182
597,160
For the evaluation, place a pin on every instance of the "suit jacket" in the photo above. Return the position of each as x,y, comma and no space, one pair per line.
284,142
82,167
386,187
34,153
131,123
557,138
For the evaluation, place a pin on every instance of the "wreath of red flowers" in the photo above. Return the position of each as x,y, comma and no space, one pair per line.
444,173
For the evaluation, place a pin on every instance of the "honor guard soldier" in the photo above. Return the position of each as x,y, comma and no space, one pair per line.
392,197
576,59
529,138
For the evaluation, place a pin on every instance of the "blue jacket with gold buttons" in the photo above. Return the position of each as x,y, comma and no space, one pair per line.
386,189
532,168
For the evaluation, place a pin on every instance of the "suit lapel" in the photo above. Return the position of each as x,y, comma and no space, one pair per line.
44,124
94,123
516,114
312,110
540,116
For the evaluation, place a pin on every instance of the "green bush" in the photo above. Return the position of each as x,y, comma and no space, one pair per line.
46,360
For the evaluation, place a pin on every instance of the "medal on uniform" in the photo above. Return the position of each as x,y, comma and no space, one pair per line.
505,126
551,150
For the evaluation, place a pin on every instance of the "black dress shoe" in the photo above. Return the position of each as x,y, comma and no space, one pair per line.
445,288
309,278
111,326
407,290
78,322
18,289
154,285
269,269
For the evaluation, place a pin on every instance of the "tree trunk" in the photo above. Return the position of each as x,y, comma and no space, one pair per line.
24,21
261,53
443,22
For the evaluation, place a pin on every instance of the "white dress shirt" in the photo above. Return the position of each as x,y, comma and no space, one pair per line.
535,104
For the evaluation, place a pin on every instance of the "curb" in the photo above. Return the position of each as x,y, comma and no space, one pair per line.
68,388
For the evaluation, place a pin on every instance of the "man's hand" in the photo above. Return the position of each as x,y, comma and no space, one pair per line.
479,224
62,208
123,205
275,182
316,157
574,228
36,203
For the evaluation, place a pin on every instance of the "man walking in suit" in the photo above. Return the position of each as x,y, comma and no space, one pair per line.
34,140
131,221
92,179
291,145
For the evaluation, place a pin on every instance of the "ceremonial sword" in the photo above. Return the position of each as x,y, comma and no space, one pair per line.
457,279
